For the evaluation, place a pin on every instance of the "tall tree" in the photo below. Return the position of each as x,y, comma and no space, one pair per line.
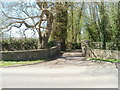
31,16
103,24
60,24
43,37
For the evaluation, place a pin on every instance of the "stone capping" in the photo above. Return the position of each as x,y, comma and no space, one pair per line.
30,54
27,50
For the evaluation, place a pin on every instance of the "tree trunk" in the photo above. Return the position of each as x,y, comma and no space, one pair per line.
103,25
60,25
44,36
118,28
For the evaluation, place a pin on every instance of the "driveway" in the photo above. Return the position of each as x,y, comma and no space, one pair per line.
71,70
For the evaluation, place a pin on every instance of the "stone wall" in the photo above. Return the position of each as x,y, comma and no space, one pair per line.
85,45
30,54
98,53
108,54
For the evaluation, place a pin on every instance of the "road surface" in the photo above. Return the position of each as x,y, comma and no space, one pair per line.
69,71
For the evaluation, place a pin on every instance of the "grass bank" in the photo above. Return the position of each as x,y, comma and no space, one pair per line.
106,60
9,63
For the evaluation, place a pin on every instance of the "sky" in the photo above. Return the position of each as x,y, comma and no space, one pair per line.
14,12
17,33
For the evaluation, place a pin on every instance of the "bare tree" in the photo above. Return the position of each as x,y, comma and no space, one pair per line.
43,38
29,14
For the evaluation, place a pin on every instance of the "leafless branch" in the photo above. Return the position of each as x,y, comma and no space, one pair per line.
19,18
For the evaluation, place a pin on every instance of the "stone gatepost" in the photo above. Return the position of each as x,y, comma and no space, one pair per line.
85,45
58,44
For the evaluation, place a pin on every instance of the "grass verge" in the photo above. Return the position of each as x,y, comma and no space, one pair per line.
106,60
9,63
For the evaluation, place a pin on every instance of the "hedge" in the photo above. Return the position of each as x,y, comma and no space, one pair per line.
19,44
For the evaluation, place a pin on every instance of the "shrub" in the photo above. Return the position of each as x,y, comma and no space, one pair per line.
51,43
19,44
74,45
109,45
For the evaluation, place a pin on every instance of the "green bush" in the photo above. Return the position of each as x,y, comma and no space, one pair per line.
73,45
109,45
19,44
51,43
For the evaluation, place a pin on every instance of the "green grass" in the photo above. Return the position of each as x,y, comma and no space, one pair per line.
8,63
68,50
106,60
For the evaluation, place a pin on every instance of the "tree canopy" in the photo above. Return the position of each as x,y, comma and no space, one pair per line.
66,22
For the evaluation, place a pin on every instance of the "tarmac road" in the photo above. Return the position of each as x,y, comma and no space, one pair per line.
56,74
